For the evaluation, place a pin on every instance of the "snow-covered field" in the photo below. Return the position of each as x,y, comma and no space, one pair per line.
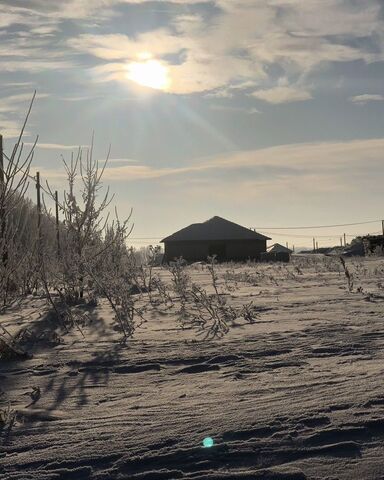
298,394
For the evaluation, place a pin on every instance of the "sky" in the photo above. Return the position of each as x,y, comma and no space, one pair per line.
266,112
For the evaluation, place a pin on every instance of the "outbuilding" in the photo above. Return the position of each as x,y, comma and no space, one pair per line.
216,236
277,248
277,253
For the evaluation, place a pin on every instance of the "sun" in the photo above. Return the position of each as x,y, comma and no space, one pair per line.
149,73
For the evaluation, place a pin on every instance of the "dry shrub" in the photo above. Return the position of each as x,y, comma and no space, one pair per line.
7,417
10,350
208,313
348,275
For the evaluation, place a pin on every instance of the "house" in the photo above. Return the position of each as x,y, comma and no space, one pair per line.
277,253
277,248
216,236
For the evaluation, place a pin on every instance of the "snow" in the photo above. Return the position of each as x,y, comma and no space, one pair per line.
296,395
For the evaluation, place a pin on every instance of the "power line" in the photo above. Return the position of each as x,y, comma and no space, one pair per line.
24,172
265,230
319,226
34,179
285,234
281,234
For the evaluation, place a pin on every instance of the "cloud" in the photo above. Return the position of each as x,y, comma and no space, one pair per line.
34,65
309,178
59,10
30,40
199,71
31,49
11,15
121,160
144,172
231,90
225,50
301,164
282,94
55,178
237,46
11,103
18,85
365,98
12,112
121,47
9,128
232,109
53,146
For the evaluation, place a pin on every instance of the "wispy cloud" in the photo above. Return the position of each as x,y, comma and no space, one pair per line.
283,95
121,160
12,102
233,109
30,39
9,128
17,85
12,112
337,161
54,146
365,98
35,65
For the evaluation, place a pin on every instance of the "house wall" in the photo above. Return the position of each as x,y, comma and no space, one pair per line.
275,257
191,251
196,251
244,249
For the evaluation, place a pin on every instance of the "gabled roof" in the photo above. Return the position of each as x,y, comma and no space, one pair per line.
216,228
277,248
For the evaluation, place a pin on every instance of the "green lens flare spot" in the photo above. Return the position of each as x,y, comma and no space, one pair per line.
208,442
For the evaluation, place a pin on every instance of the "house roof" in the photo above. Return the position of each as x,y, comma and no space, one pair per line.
216,228
277,248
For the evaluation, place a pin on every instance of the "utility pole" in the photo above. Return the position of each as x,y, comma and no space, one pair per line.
317,246
57,224
314,245
382,224
38,192
1,161
3,224
345,240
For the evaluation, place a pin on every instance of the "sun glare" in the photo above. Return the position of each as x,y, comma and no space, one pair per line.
149,73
